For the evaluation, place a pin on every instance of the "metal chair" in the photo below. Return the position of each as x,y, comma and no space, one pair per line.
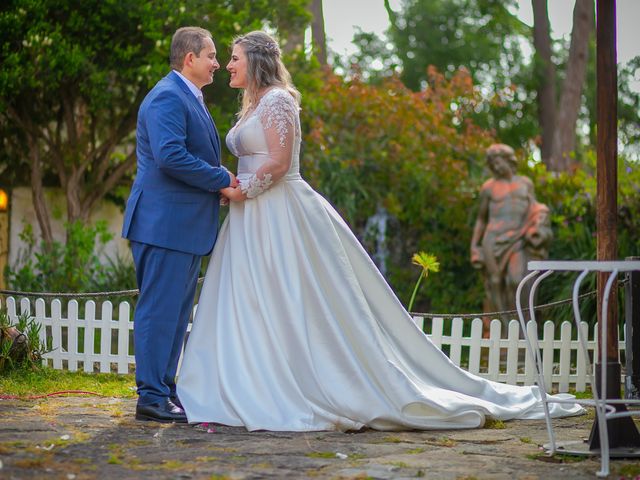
604,407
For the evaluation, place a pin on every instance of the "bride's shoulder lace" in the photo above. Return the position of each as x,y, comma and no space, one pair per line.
278,110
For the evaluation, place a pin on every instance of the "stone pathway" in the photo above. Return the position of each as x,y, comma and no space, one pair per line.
98,438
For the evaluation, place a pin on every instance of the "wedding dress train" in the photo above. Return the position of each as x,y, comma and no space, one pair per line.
296,329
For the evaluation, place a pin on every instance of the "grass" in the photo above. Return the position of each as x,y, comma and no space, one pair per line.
43,381
582,395
31,462
321,455
114,460
392,439
441,442
629,471
557,458
415,451
206,459
398,464
494,424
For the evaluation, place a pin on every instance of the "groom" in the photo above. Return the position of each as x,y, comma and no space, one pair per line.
171,216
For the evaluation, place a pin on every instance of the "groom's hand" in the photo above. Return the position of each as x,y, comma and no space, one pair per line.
233,194
234,181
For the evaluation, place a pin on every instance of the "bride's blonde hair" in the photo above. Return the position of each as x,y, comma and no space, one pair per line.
264,68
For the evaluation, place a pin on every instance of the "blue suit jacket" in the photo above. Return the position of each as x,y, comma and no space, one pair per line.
174,202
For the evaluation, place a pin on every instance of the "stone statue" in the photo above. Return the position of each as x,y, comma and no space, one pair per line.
511,229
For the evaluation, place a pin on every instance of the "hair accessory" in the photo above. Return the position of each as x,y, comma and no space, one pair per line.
272,48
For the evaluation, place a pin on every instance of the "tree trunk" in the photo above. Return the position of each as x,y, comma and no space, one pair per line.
107,183
546,77
318,33
37,193
292,34
564,139
294,43
73,191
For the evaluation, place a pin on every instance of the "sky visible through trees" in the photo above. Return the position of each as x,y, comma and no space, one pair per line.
343,17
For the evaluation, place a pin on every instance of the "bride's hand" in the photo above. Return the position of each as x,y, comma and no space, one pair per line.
233,194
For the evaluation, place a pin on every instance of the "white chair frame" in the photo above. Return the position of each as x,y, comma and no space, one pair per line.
604,407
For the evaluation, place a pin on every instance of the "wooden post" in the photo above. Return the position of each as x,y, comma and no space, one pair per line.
622,431
607,165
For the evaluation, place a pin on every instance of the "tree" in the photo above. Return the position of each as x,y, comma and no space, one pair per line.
558,118
318,33
292,19
482,36
485,37
629,110
374,59
546,76
74,73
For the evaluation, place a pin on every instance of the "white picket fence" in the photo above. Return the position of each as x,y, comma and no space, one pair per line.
89,341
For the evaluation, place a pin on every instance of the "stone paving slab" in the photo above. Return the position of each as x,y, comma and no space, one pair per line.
98,438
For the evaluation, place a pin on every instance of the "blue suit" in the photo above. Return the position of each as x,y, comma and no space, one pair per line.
171,219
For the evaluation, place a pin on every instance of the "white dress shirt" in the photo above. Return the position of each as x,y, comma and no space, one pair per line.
195,90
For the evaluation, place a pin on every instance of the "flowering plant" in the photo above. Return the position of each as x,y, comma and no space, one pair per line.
429,263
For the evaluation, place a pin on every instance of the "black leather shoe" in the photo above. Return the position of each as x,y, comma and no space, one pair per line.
176,401
164,412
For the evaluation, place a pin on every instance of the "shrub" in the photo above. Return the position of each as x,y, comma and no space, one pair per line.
70,267
412,153
20,345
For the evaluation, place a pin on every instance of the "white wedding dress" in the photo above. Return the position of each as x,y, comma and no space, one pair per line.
296,330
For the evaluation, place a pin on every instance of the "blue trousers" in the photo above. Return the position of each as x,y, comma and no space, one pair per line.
167,281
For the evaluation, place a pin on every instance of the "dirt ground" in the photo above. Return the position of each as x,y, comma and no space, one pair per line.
98,438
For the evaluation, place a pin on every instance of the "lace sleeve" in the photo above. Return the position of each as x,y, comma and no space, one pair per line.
278,112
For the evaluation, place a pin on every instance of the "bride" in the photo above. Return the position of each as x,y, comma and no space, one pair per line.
296,330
